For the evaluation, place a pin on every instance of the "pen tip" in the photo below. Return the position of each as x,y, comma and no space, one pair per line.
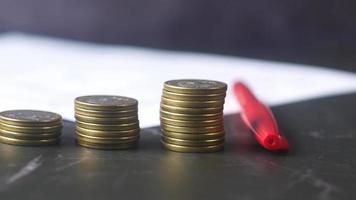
277,143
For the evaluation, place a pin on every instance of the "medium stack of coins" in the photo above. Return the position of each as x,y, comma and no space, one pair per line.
30,127
191,115
107,122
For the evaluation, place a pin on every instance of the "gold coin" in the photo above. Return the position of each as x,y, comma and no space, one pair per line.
193,143
188,123
187,136
119,139
192,111
192,104
106,146
195,86
107,120
30,118
104,127
106,114
187,149
106,102
192,130
42,142
98,133
29,136
106,140
193,97
28,129
178,116
109,134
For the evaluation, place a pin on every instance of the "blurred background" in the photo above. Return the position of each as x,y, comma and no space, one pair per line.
310,32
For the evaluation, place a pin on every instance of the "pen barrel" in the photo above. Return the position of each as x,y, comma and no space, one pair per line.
244,95
259,119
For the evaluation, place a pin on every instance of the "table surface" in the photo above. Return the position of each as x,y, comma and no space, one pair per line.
320,165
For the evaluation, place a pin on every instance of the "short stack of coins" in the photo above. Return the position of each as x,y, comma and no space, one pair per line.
30,127
191,115
107,122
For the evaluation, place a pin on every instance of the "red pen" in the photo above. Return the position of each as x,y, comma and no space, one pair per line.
259,119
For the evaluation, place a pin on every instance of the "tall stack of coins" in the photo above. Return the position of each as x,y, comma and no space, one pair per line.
191,115
107,122
30,127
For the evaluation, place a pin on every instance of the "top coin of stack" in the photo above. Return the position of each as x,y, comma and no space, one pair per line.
30,127
191,115
107,122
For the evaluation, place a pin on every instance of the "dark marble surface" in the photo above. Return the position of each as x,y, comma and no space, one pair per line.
321,164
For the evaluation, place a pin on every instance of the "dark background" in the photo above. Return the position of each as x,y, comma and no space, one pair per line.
318,32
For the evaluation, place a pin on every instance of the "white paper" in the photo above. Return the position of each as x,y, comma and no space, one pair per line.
47,74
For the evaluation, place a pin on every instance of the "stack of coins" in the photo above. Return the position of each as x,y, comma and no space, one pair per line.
107,122
191,115
30,127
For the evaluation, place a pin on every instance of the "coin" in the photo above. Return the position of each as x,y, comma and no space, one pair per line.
106,140
98,132
192,130
195,86
193,111
188,149
193,143
106,146
192,104
188,123
106,114
21,142
191,115
30,118
104,127
29,136
192,97
29,129
106,102
127,133
173,115
107,120
188,136
125,138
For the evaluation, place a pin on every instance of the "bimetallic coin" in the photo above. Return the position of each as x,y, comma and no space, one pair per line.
192,111
187,136
29,136
192,104
106,102
107,120
188,123
104,127
106,114
30,118
193,97
187,149
192,130
106,146
98,132
195,86
106,140
42,142
29,129
178,116
193,143
128,133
